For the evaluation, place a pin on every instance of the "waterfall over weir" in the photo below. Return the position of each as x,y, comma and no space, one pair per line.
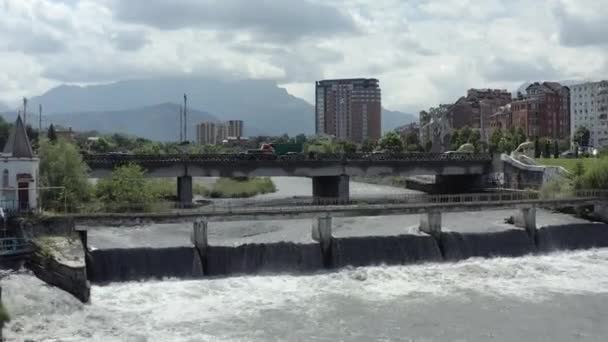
115,265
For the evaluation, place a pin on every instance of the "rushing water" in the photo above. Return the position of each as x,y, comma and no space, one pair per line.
558,297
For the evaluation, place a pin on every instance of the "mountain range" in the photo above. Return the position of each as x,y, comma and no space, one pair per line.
149,108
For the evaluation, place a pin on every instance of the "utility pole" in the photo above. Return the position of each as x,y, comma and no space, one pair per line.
181,129
25,112
185,118
39,120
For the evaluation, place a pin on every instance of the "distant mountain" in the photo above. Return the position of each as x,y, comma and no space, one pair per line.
158,122
394,119
262,105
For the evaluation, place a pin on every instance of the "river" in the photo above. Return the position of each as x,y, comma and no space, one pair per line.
557,297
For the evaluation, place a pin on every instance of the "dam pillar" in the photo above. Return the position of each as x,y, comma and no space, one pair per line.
526,218
601,212
321,232
430,223
184,190
199,239
331,187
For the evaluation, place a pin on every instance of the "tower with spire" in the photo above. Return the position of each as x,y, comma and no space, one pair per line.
19,170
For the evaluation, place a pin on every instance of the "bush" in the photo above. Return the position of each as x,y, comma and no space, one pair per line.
4,316
595,177
556,188
239,188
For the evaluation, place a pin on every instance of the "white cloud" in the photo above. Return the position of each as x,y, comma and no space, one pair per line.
424,52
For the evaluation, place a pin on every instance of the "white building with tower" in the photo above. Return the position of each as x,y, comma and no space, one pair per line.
19,168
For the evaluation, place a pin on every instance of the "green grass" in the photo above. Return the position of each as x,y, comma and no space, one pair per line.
238,188
567,163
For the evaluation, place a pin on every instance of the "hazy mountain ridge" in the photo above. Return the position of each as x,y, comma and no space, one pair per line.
149,108
262,105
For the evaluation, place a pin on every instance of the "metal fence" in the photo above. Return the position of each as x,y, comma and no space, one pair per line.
14,246
118,159
310,203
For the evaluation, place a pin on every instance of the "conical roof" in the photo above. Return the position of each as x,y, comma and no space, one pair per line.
18,144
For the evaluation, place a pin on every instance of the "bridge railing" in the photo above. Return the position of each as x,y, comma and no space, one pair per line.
14,246
319,203
112,159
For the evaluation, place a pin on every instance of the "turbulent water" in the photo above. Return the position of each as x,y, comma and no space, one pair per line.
558,297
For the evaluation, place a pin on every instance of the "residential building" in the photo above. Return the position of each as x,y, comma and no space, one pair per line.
502,119
211,133
349,109
589,108
552,108
526,115
19,171
206,133
65,134
475,109
235,128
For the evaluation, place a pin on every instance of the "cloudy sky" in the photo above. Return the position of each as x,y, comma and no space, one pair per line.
423,51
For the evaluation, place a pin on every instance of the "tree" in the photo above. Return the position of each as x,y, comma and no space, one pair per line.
368,145
411,138
547,150
126,186
392,142
428,146
5,131
582,136
495,139
455,140
61,165
52,134
465,135
300,139
346,146
555,149
474,139
520,136
536,148
425,117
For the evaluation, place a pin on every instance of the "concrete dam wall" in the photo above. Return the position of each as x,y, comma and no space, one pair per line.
116,265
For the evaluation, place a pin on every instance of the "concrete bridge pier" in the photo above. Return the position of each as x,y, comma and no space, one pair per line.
526,218
337,187
321,232
199,239
184,189
430,223
601,212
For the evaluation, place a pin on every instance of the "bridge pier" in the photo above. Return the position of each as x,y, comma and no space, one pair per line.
184,189
321,232
601,212
335,187
430,223
526,218
199,239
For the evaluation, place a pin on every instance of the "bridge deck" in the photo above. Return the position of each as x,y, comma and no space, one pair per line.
425,203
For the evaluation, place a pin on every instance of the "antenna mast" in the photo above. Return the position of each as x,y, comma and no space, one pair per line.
25,112
185,118
181,130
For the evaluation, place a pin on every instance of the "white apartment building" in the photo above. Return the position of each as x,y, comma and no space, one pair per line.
589,108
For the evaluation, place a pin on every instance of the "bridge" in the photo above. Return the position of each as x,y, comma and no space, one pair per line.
330,172
431,206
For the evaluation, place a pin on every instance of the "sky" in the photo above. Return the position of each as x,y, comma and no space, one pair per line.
424,52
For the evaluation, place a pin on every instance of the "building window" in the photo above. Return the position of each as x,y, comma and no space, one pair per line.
5,184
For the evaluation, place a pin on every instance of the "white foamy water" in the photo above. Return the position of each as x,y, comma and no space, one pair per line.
559,297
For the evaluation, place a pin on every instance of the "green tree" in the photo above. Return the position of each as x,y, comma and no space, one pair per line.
555,149
52,134
465,135
5,130
126,187
368,145
455,140
520,136
536,148
392,142
300,139
495,139
474,139
547,149
425,117
346,146
582,136
411,138
61,165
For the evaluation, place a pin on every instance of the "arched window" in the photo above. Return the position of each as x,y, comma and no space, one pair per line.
5,179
